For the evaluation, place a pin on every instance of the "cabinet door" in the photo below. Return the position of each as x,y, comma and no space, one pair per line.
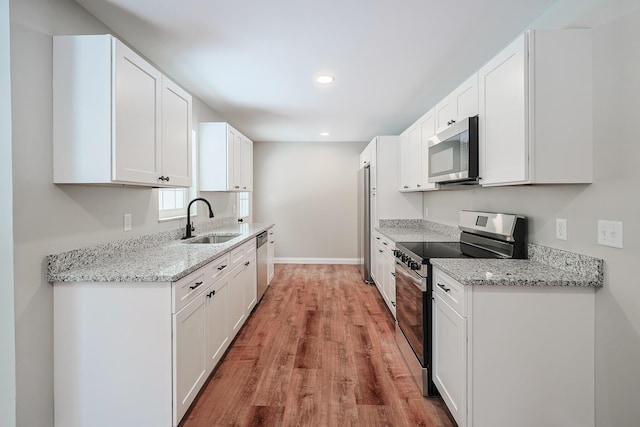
390,280
236,300
450,358
246,167
190,359
415,157
250,285
503,140
459,104
271,249
217,330
136,146
235,163
404,159
176,134
427,130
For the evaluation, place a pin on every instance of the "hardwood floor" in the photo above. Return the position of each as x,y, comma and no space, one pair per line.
319,350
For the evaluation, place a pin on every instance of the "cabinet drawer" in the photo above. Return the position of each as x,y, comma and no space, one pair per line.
219,268
241,251
187,288
451,291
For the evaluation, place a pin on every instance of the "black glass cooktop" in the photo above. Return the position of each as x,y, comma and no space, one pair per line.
426,250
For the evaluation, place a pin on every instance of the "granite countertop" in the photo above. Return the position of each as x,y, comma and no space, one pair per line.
414,235
545,266
165,261
511,272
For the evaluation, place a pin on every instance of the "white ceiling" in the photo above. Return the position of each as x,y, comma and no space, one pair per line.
255,61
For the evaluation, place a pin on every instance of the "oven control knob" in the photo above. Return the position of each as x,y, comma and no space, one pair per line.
397,253
404,258
414,265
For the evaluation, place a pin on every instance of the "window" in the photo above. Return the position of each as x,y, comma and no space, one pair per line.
244,206
172,202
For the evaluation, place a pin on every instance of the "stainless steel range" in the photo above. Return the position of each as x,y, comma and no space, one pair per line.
484,235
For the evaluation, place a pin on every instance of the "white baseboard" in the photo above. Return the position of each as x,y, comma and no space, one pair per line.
351,261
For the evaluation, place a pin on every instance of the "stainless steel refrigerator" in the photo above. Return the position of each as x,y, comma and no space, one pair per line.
364,223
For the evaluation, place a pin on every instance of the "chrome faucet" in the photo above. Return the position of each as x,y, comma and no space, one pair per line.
190,228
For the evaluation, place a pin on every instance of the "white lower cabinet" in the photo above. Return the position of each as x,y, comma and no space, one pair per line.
271,251
137,354
507,356
450,354
383,269
190,361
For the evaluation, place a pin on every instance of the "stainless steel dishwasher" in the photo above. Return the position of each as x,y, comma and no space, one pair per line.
261,260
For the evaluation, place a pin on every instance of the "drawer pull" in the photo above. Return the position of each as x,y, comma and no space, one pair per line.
380,250
385,243
196,285
222,267
393,274
210,294
247,263
441,286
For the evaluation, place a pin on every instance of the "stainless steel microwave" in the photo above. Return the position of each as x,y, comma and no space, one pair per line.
453,153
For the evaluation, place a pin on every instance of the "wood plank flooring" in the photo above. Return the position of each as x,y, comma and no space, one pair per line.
319,350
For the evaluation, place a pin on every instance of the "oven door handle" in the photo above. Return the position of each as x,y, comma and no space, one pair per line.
410,276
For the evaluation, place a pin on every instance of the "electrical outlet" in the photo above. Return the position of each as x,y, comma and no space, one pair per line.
561,228
127,222
610,233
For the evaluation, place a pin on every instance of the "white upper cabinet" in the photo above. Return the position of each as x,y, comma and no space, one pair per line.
176,129
226,158
404,161
414,164
536,110
117,119
458,105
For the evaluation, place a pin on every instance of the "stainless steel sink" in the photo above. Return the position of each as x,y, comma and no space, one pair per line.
215,238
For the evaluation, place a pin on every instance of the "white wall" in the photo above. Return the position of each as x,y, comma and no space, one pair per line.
7,318
51,218
614,195
309,190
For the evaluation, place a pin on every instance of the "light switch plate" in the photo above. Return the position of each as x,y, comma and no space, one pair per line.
561,228
127,222
610,233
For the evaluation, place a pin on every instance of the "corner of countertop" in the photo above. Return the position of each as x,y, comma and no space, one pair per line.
583,265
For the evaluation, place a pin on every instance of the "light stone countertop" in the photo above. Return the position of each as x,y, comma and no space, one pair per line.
545,267
163,262
511,272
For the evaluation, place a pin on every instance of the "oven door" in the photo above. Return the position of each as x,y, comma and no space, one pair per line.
411,296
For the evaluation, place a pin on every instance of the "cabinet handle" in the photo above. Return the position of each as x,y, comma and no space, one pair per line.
406,186
164,178
380,250
385,243
195,286
377,238
393,274
237,186
222,267
393,303
247,263
210,294
441,286
417,185
450,122
273,241
244,188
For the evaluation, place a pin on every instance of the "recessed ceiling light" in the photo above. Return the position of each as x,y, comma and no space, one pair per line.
324,133
326,79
